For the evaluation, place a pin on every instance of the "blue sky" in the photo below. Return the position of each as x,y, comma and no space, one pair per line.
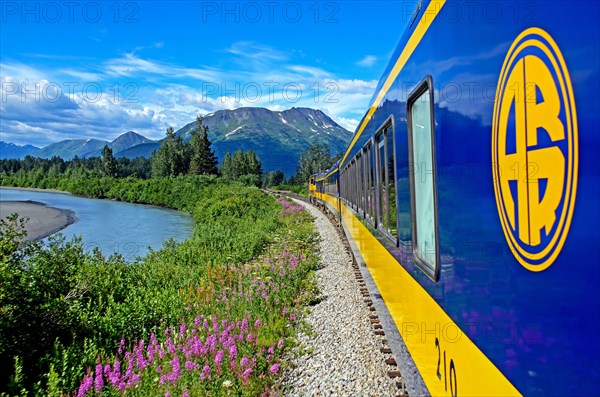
92,69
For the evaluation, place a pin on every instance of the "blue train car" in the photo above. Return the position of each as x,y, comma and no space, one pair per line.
471,193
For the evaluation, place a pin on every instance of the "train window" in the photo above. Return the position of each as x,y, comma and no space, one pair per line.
360,182
350,185
382,210
423,184
391,181
365,186
386,182
371,183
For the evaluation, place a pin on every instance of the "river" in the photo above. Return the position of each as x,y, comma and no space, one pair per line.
113,226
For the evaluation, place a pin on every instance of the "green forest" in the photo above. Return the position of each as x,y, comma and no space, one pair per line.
110,177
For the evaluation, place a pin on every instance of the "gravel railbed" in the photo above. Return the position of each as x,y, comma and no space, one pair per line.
340,355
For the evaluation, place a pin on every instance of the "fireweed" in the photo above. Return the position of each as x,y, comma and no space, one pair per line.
231,343
289,208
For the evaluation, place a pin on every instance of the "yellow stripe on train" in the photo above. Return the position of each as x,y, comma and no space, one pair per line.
449,362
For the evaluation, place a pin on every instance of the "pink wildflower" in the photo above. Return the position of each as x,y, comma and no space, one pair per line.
86,385
99,380
233,351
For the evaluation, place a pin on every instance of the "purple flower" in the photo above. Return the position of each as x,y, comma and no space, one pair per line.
280,344
167,394
185,393
86,385
115,375
170,346
182,328
244,362
257,323
205,372
249,337
215,324
274,368
247,373
219,358
232,351
99,380
175,370
190,366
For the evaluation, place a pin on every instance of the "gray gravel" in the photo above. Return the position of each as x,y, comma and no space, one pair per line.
340,355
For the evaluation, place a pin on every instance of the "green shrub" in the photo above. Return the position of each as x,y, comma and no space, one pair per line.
63,309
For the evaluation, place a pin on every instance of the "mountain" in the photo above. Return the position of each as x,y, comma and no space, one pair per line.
141,150
277,137
123,142
12,151
127,140
70,148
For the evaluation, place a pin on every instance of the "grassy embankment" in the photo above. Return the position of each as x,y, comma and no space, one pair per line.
209,316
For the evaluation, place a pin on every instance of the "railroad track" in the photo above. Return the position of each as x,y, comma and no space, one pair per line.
368,293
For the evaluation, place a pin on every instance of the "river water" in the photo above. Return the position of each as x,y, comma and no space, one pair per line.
113,226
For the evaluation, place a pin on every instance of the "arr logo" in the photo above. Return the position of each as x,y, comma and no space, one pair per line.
535,149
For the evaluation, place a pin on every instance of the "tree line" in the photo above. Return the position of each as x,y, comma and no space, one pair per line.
175,157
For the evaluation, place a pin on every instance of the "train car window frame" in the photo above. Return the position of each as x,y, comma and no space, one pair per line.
431,269
392,130
365,186
385,131
371,169
359,182
379,215
352,198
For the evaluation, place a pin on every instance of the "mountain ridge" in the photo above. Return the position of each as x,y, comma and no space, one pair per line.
277,137
10,150
69,148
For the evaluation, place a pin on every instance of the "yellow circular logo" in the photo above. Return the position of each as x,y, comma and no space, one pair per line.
535,149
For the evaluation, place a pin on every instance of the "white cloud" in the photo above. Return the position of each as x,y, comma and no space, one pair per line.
86,76
251,50
169,94
349,124
367,61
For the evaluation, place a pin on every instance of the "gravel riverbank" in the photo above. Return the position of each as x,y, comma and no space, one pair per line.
340,355
42,220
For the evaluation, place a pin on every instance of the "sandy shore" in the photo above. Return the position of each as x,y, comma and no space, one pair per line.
35,189
43,220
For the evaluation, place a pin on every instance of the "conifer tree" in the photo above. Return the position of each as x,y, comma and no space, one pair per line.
109,163
171,157
203,159
226,167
